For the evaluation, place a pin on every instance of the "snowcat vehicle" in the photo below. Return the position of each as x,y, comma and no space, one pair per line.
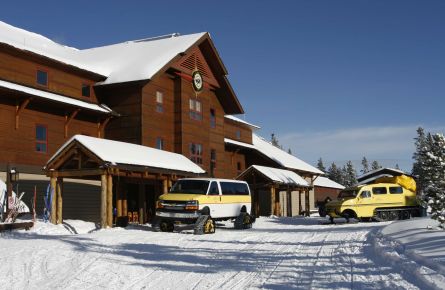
202,201
382,198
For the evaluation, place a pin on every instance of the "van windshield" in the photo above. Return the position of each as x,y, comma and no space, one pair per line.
190,186
348,193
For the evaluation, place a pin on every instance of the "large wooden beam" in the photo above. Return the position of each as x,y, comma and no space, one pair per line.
103,201
59,200
53,193
289,202
165,186
101,127
307,211
109,200
277,203
119,199
141,202
68,120
77,173
18,109
272,200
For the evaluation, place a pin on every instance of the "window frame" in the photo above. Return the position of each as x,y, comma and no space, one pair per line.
196,158
41,141
159,138
394,187
89,90
159,108
238,134
212,161
378,193
39,69
193,112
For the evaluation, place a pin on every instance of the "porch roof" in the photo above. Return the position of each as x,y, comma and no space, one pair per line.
278,176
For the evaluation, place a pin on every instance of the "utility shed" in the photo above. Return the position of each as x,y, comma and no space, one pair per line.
132,176
274,190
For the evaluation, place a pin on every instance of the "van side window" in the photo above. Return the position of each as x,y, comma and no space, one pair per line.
396,190
234,188
379,190
365,194
214,190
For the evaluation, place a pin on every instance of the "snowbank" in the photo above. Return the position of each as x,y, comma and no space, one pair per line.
69,227
417,247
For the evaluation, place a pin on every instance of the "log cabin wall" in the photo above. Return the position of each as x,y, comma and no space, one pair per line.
20,68
237,131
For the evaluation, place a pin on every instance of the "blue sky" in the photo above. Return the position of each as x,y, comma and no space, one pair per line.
333,79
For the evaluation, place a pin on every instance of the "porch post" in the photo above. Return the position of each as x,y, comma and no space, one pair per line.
103,201
53,192
59,187
109,200
272,199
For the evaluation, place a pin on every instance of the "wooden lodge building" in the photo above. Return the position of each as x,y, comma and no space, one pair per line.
110,128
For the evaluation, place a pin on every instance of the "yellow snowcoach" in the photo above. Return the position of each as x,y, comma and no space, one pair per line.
381,198
202,201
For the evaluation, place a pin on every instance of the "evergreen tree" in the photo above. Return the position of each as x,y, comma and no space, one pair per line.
434,181
349,174
335,173
365,165
375,165
422,145
397,166
289,151
320,165
274,141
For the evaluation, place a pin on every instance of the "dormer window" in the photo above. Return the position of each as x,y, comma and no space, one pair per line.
159,102
86,90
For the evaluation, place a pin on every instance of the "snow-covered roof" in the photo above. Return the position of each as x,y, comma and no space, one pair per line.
281,157
326,182
122,62
116,152
380,173
279,175
54,97
238,143
236,119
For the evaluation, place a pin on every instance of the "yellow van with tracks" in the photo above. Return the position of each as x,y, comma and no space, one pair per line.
202,201
388,198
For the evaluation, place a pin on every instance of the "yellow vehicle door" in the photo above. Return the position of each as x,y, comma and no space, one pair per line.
397,196
213,200
364,206
380,196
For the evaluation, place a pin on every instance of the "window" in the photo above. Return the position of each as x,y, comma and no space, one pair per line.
212,118
189,186
214,190
86,90
379,190
365,194
238,134
234,188
396,190
159,102
42,78
195,109
196,153
212,162
41,138
239,167
160,143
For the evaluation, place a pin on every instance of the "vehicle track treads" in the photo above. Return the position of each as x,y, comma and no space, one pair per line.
199,225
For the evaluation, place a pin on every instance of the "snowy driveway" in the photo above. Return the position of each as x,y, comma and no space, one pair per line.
278,253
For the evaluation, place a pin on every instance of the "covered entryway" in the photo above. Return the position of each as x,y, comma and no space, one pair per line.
276,191
132,177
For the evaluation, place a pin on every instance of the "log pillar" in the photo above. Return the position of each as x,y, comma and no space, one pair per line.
289,202
307,211
141,203
272,200
300,200
59,187
124,202
110,200
165,186
53,194
103,201
119,200
277,203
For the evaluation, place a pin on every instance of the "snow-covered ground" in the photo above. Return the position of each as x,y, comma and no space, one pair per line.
277,253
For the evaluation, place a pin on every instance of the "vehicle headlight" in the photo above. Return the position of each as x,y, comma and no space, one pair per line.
192,205
159,204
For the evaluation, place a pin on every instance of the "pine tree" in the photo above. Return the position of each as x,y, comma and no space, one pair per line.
434,182
397,166
422,145
375,165
320,165
335,173
289,151
349,174
274,141
365,165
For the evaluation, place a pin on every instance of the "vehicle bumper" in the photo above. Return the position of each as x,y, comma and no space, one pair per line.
178,215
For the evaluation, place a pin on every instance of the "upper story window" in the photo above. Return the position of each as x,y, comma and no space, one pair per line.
41,138
86,90
212,118
42,78
212,162
159,102
238,134
196,153
239,168
160,143
195,109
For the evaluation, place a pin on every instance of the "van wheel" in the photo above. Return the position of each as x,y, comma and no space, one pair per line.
167,227
243,221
